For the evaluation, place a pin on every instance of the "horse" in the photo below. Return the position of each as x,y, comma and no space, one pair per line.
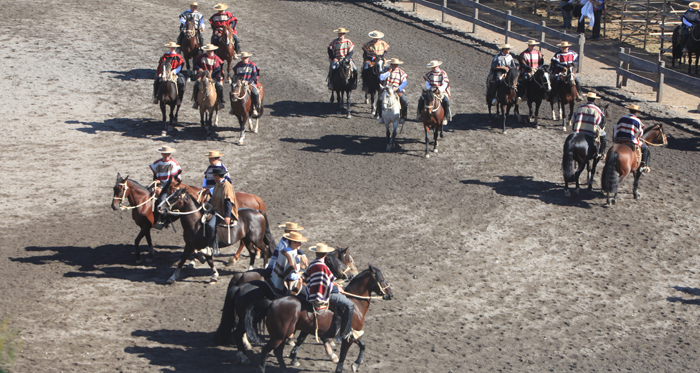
432,113
242,106
225,51
285,315
141,204
208,103
692,45
567,93
536,90
190,43
371,85
344,81
505,95
391,111
252,228
581,149
167,95
676,47
621,160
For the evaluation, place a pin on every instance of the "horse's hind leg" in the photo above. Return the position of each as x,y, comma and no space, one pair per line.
295,349
637,174
279,354
343,354
427,141
348,116
435,137
535,119
151,250
141,234
185,254
360,357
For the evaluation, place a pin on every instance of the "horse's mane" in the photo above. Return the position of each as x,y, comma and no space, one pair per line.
137,184
356,280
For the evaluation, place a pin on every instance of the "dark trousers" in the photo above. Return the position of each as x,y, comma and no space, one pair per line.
255,96
345,308
646,155
219,92
210,230
598,14
567,18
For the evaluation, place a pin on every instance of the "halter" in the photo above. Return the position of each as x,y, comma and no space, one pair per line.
243,86
123,197
435,104
177,212
190,33
661,132
392,97
381,289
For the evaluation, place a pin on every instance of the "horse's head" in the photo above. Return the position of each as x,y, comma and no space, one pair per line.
541,77
655,135
174,201
380,285
346,258
190,27
338,268
120,190
345,70
238,89
167,69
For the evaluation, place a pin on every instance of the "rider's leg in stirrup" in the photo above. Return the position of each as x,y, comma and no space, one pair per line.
155,90
220,94
646,158
404,109
579,97
346,309
180,88
255,97
448,112
179,42
195,91
236,44
421,103
331,70
603,143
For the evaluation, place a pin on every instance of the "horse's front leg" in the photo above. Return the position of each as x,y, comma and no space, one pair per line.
348,116
591,174
141,234
554,113
295,349
185,254
505,113
490,115
393,135
427,140
360,357
344,347
562,114
388,134
241,122
372,109
215,273
151,250
436,131
537,114
516,112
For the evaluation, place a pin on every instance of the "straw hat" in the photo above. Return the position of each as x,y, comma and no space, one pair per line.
633,107
433,63
214,154
592,95
533,42
505,46
694,5
395,61
194,3
564,44
291,226
341,30
166,149
321,248
172,44
220,6
376,34
209,47
245,54
295,236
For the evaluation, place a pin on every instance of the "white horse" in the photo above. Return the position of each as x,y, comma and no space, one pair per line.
391,109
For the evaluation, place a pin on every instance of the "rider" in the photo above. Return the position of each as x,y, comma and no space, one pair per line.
396,77
285,278
587,120
248,71
222,18
214,162
289,227
176,64
437,79
223,201
198,20
374,50
691,17
500,66
209,61
340,48
561,61
321,289
629,130
163,169
530,60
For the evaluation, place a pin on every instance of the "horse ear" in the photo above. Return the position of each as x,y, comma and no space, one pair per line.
119,177
126,178
370,267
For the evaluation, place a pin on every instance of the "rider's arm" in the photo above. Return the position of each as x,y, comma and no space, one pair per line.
228,205
444,85
202,24
686,22
385,74
204,183
402,85
177,70
331,55
427,85
234,22
349,55
182,19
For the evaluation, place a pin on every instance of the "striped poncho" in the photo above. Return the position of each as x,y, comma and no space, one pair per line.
319,281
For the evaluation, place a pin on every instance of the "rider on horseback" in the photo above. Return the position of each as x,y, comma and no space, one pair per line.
437,80
198,20
501,64
248,71
397,78
341,48
176,63
629,130
214,162
374,50
691,18
285,278
530,60
223,200
587,120
209,61
321,289
289,227
561,61
224,19
164,169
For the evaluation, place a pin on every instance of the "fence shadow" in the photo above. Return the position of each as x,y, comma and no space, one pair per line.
135,74
545,191
686,290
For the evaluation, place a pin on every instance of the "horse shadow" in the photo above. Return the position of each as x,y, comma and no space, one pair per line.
480,121
134,74
150,128
299,109
545,191
687,290
343,144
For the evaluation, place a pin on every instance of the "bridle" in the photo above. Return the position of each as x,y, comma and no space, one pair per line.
661,133
189,32
434,105
242,85
123,197
382,291
392,97
177,212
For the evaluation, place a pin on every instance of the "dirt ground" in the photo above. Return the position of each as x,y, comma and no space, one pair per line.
492,267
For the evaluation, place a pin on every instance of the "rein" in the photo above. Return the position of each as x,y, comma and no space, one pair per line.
382,289
241,87
123,197
665,141
435,104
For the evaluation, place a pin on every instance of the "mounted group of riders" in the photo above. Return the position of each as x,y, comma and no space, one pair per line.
690,18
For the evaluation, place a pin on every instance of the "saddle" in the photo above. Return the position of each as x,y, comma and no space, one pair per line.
637,150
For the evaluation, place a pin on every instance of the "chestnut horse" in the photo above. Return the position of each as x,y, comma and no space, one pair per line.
567,93
242,106
581,149
190,43
225,51
285,315
505,95
621,161
432,113
208,103
167,95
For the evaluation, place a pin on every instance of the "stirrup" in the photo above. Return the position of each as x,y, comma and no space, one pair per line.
645,169
494,101
195,105
255,113
155,100
402,120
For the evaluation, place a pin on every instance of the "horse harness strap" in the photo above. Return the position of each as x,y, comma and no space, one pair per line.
123,197
320,308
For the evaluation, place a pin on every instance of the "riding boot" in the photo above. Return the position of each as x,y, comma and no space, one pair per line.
195,92
201,41
601,149
155,91
220,95
646,158
404,109
236,44
179,42
578,91
448,113
421,103
495,97
379,111
180,90
255,98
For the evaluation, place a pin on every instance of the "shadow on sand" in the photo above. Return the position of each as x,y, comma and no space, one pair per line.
545,191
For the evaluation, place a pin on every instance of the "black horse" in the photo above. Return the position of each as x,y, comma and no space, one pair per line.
676,47
535,90
581,149
168,95
371,86
504,93
344,81
692,44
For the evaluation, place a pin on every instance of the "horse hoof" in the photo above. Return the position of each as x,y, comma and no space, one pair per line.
537,127
567,193
334,358
427,155
435,151
637,196
139,260
348,116
255,130
171,281
504,132
250,268
388,148
230,262
355,367
290,342
296,364
164,133
366,101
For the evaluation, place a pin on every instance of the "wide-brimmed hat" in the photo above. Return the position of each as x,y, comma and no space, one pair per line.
166,149
209,47
322,248
172,44
395,61
376,34
433,63
341,30
219,171
564,44
291,226
694,5
214,154
245,54
592,95
633,107
505,46
295,236
533,42
220,6
194,3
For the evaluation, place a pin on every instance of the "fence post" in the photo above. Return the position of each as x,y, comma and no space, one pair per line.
444,6
534,8
620,64
581,42
510,13
415,7
542,34
476,17
660,86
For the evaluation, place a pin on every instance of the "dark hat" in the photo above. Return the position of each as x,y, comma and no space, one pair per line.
218,171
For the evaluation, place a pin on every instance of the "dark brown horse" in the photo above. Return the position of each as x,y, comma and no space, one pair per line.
536,89
344,81
190,44
505,95
141,203
167,95
676,47
285,315
583,150
621,161
252,228
372,86
566,93
692,44
433,113
242,106
225,51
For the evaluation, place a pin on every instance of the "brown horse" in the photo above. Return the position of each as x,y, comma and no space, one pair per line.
242,106
285,315
208,103
567,93
190,43
692,44
167,95
141,204
621,160
225,51
432,114
505,94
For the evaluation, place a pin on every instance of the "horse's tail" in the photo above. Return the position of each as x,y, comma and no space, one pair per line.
268,239
609,179
567,162
255,316
229,318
